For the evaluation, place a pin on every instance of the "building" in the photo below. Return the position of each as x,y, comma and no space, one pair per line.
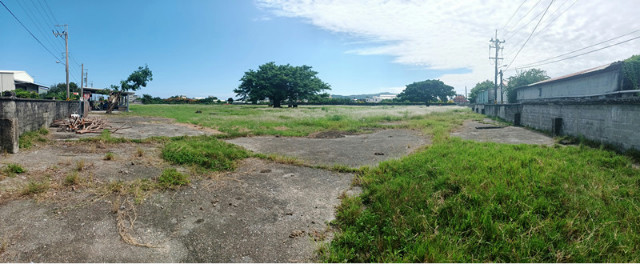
11,80
595,83
379,98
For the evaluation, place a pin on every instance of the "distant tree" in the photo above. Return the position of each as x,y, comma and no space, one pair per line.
147,99
279,83
59,91
524,78
136,80
427,91
479,88
230,100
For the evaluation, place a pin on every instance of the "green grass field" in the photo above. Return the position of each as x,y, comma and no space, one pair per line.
456,200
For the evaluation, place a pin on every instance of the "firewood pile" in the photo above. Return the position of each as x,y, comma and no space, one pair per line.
84,125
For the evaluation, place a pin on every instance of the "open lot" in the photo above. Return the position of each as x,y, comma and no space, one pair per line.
433,196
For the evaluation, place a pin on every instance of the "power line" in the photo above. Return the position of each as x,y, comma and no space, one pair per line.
52,15
558,16
514,14
525,15
37,25
523,26
27,29
590,46
47,15
588,52
534,30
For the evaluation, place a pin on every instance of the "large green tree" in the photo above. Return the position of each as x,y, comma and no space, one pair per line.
136,80
479,88
59,91
426,91
279,83
524,78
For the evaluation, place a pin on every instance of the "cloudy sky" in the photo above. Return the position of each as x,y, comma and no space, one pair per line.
201,48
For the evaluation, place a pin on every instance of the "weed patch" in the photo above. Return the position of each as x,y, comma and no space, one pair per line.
203,151
171,178
12,169
27,139
109,156
36,187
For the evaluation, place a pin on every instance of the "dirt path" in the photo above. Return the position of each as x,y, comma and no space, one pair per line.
506,134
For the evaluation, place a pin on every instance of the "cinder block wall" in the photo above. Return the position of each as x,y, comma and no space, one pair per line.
617,124
23,115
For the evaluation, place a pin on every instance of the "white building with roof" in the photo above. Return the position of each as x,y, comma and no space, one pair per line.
11,80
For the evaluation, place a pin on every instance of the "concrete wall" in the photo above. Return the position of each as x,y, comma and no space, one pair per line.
617,124
23,115
589,85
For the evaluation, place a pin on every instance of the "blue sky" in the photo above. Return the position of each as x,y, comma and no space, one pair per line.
202,48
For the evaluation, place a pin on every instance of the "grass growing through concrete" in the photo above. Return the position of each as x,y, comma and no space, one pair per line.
463,201
27,139
171,178
12,169
204,151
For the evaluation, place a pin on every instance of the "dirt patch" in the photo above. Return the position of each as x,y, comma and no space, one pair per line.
264,212
57,161
490,131
330,134
136,127
349,150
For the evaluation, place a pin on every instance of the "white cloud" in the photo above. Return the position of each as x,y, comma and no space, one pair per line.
455,34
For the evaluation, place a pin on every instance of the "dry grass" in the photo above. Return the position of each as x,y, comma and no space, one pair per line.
125,220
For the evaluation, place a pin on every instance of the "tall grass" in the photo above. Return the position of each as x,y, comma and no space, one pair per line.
463,201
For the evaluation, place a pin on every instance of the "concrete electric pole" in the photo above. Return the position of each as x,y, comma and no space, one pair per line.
65,33
495,43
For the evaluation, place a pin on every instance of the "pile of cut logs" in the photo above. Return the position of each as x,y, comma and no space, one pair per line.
80,125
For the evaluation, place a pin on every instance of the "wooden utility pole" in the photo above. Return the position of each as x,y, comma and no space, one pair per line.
496,44
81,82
65,33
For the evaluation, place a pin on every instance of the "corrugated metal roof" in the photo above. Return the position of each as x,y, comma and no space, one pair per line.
576,74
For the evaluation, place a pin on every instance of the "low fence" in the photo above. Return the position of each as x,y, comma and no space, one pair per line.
18,116
612,122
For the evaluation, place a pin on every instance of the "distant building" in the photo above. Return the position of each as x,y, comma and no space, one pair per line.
599,82
11,80
379,98
460,99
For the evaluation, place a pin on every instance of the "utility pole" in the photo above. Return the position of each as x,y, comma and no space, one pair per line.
495,43
65,33
86,78
501,89
81,82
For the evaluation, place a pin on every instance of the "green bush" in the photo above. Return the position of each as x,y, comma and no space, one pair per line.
25,94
